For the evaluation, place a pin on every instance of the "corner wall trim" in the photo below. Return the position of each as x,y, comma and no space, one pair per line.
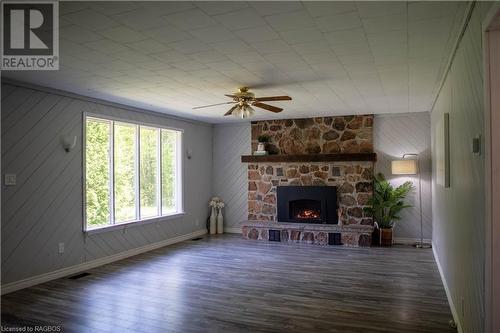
447,290
32,281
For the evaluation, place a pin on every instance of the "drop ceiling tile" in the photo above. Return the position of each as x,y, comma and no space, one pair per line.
243,57
311,47
149,46
283,57
224,65
167,7
266,8
106,46
109,7
190,46
66,7
338,22
69,47
421,10
271,46
302,35
241,19
189,65
140,19
345,36
360,58
327,8
258,34
153,65
90,19
122,35
77,34
208,57
132,56
385,23
347,49
212,34
167,34
231,46
169,56
220,7
290,21
320,58
190,19
380,8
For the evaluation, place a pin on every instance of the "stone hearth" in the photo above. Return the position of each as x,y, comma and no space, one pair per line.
353,236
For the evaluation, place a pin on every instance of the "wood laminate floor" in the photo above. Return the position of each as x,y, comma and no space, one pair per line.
228,284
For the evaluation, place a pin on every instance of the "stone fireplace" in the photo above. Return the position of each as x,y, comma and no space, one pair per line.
309,154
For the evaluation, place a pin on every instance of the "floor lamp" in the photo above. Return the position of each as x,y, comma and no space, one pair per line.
411,166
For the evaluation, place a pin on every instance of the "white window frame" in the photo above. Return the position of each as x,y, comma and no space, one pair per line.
179,202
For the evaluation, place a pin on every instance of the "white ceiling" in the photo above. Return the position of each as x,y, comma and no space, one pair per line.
332,58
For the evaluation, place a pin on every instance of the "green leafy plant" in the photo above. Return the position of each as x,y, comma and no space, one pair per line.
263,138
387,202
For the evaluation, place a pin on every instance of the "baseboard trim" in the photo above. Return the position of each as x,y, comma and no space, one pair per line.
454,312
32,281
410,241
232,230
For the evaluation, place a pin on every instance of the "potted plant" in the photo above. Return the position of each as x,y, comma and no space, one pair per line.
386,204
262,139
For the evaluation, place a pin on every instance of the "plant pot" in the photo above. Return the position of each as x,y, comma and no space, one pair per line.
386,237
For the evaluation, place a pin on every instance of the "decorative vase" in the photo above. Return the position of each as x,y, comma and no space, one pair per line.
386,237
213,221
220,222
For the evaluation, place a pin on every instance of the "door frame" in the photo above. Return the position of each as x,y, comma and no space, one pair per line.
491,32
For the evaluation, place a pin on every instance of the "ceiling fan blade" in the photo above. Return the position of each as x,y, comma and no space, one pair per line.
232,96
207,106
228,113
274,98
267,107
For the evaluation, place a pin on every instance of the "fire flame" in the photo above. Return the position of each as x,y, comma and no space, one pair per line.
308,214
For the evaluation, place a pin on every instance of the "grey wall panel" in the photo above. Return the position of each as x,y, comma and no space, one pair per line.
46,206
458,211
395,135
230,175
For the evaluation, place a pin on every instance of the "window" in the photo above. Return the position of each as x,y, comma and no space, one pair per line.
132,172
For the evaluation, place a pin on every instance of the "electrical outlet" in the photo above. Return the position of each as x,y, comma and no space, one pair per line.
10,179
61,248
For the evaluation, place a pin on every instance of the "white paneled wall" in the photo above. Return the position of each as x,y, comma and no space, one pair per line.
395,135
230,175
458,211
45,207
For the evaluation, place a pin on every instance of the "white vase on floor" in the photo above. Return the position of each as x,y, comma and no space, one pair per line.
220,222
213,221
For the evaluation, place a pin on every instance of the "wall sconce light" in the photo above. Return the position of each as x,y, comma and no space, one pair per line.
68,142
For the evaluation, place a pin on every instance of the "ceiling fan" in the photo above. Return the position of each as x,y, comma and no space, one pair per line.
244,100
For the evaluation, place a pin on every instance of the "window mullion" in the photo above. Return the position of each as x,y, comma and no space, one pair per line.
112,172
137,173
158,173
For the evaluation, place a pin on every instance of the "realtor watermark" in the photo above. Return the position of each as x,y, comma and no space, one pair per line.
30,35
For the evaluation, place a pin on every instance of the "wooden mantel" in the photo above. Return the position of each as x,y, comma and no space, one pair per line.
344,157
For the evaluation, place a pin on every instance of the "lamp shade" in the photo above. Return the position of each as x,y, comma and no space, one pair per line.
404,167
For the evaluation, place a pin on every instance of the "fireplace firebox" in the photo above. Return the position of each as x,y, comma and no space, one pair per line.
307,204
